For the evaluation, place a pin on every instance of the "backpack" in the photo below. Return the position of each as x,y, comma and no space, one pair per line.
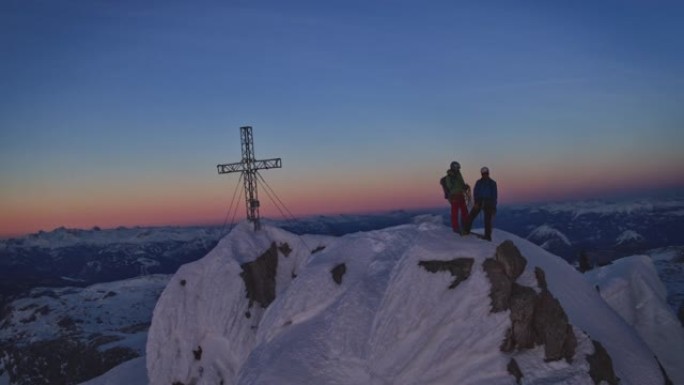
444,187
468,196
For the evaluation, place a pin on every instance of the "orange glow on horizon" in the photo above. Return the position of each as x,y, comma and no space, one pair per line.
196,206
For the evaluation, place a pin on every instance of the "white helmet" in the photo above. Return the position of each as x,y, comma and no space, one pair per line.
484,170
455,166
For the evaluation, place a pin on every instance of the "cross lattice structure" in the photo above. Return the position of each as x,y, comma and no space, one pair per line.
249,167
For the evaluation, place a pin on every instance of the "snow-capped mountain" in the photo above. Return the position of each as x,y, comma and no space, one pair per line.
411,304
67,335
632,288
604,229
629,236
551,239
70,257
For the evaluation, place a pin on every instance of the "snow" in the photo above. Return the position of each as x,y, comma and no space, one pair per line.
64,237
631,286
547,231
629,236
389,321
103,308
673,206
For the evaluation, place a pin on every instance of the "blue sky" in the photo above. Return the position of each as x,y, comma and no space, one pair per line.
120,103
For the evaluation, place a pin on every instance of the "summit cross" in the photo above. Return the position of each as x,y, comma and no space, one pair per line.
248,167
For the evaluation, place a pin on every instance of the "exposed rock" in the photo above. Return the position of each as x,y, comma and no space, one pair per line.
197,353
501,284
459,268
259,276
601,365
584,263
522,304
317,249
514,370
511,259
338,272
668,381
541,278
552,328
285,249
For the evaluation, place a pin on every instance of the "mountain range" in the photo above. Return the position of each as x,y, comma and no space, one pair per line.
68,279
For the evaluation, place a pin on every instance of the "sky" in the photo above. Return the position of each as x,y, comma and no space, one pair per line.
116,113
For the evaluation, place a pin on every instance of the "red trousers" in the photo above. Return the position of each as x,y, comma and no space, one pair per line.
458,204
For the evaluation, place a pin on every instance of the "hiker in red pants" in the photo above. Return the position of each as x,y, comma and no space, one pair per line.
456,188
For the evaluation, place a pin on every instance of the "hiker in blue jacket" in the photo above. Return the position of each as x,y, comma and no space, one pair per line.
485,196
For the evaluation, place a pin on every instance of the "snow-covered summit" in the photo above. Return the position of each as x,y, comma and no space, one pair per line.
372,308
547,233
629,236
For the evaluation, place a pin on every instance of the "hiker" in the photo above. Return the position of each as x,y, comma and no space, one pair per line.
456,191
485,196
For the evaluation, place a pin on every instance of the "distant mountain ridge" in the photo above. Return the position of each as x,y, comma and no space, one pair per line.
71,257
67,257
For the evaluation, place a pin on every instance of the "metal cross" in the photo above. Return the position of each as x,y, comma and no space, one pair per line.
248,167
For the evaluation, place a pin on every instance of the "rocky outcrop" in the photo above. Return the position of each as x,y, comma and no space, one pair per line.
522,305
514,370
601,366
509,256
459,268
338,272
502,284
536,318
551,324
260,276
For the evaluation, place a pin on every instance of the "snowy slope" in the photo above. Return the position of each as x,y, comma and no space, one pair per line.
59,335
362,311
631,286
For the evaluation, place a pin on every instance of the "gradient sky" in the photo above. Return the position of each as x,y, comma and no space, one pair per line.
117,112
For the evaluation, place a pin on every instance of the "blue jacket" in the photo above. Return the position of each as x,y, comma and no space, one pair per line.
485,191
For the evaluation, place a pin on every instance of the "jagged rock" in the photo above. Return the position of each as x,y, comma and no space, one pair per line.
317,249
522,304
501,284
338,272
197,353
260,277
551,325
601,365
459,268
584,263
541,278
285,249
514,370
511,259
668,381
